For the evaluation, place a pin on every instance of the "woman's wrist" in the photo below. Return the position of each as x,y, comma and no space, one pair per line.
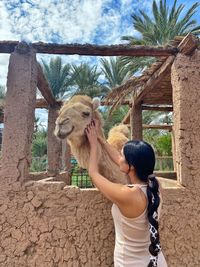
102,140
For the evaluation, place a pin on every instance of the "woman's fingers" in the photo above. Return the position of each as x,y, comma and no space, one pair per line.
90,131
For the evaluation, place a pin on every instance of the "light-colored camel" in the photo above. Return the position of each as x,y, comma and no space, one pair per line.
118,136
73,118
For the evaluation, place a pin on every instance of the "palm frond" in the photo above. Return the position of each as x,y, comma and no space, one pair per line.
163,27
58,76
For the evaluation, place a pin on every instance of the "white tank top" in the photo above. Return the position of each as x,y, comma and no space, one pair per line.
132,239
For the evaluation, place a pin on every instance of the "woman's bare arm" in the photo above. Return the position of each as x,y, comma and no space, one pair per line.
112,152
117,193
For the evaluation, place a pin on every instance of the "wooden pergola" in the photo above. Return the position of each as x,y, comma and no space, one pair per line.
151,91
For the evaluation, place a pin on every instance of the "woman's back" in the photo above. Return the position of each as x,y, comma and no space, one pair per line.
132,239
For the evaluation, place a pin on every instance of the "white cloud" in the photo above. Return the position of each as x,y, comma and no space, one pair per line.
42,114
4,58
6,32
67,20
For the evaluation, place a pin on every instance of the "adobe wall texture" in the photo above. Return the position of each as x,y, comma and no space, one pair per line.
180,228
186,104
47,224
19,115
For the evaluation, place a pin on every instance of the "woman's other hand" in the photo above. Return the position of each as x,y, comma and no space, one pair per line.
91,134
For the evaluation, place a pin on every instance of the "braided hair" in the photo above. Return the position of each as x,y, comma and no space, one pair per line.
153,204
140,155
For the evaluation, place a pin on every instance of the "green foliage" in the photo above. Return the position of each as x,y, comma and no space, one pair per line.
150,136
134,64
114,71
115,118
39,149
86,81
159,139
39,143
79,176
163,145
164,164
2,92
165,24
161,142
39,164
58,76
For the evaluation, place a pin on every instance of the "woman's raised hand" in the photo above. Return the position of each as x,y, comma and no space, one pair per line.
91,132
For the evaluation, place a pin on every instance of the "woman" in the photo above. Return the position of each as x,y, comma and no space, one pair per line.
135,206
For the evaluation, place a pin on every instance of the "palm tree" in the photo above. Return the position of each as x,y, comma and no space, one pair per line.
115,74
114,118
58,76
114,71
159,30
86,81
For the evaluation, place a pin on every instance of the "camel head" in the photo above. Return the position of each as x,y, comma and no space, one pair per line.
74,116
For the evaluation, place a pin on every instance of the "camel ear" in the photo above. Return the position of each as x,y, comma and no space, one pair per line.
95,102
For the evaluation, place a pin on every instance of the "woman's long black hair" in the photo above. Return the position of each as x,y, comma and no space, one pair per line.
140,155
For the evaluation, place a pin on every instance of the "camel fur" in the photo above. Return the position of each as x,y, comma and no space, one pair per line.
74,116
118,136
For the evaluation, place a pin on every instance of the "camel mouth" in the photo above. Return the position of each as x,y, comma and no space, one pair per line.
63,136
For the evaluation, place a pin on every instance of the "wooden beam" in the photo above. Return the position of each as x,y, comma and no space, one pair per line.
159,127
153,81
157,108
41,103
92,50
188,44
110,103
126,119
44,88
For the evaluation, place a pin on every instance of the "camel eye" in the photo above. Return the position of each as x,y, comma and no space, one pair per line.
86,114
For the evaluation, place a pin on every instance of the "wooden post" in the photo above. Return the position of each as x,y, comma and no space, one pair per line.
54,146
19,115
136,122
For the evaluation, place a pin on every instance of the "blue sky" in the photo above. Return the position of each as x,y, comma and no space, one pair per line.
70,21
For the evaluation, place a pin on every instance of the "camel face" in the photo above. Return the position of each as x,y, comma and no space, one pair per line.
73,120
